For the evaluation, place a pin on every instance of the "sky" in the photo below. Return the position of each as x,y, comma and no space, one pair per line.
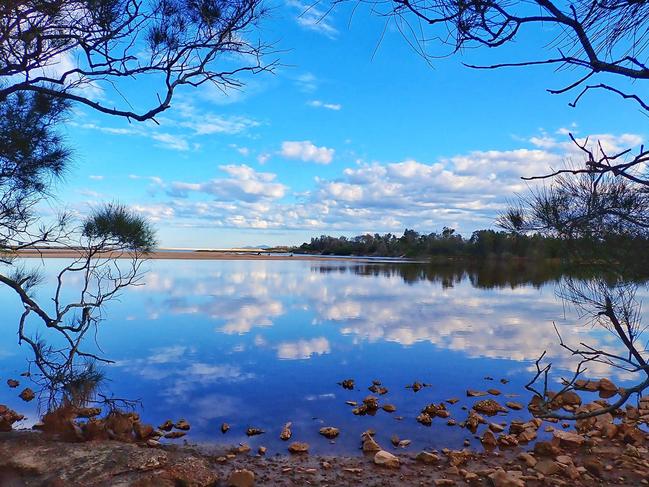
352,132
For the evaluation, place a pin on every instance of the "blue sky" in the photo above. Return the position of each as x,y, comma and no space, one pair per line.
352,133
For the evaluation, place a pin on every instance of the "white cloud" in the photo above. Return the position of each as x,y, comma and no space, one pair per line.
96,177
328,106
310,17
306,151
303,349
243,183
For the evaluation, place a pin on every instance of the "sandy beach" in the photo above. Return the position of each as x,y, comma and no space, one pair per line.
165,254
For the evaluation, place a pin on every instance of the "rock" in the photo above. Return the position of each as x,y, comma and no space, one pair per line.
182,425
241,478
472,393
586,385
496,428
547,467
443,482
225,427
516,406
13,383
546,449
286,433
142,431
527,458
371,402
347,384
473,421
488,407
386,459
389,408
416,386
404,443
369,444
166,426
27,395
568,439
488,440
494,392
254,431
172,435
262,450
457,458
242,448
606,388
7,418
427,457
298,447
594,466
500,478
570,398
153,443
378,389
87,412
507,441
425,419
527,435
329,432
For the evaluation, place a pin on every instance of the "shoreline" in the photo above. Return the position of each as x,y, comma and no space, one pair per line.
213,255
29,459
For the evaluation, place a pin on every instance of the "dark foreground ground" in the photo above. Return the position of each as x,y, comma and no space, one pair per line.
31,459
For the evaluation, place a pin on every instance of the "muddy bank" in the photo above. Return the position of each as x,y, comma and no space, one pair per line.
31,459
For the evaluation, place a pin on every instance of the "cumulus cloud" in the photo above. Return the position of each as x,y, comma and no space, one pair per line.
243,183
465,191
306,151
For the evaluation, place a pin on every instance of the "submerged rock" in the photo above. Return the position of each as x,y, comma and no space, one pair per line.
298,447
427,457
329,432
389,408
286,433
182,425
347,384
13,383
172,435
225,427
254,431
166,426
27,395
489,407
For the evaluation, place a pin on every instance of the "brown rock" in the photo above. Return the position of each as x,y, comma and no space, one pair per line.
241,478
389,408
182,425
254,431
298,447
488,407
166,426
488,440
528,459
472,393
286,433
606,388
172,435
425,419
568,439
546,449
329,432
516,406
13,383
496,428
27,395
500,478
547,467
494,392
142,431
371,402
427,457
369,444
225,427
386,459
348,384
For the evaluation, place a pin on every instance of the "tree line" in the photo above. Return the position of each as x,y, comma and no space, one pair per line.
481,244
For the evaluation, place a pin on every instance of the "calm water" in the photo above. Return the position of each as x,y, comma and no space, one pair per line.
260,343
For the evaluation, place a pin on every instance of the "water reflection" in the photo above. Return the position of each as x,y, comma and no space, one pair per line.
260,343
